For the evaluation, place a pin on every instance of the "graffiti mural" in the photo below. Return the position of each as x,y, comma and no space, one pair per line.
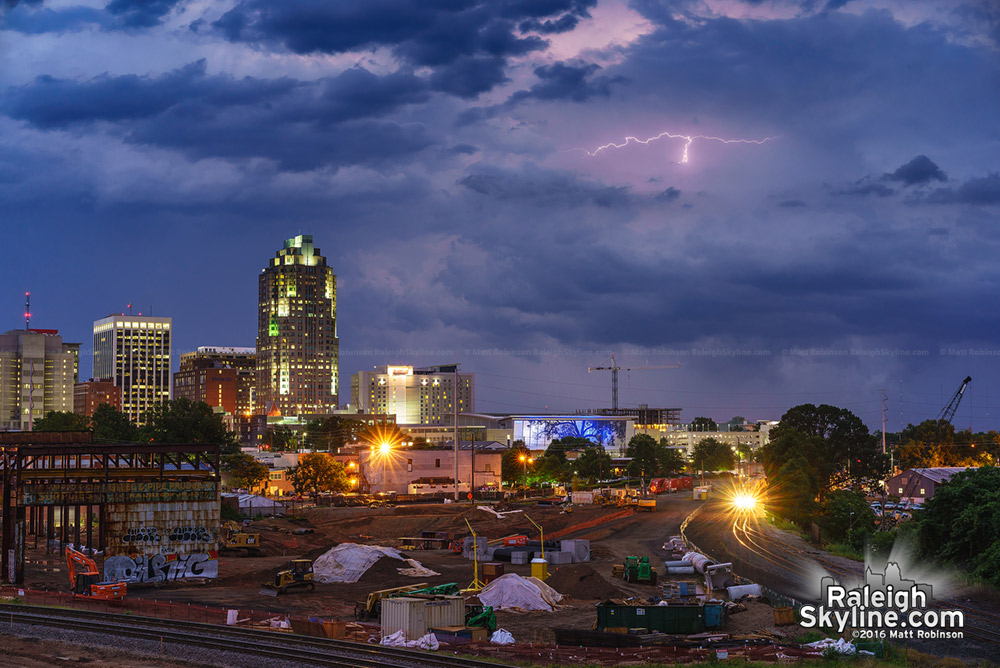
161,567
190,535
142,536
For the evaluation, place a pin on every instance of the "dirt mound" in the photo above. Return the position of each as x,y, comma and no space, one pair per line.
382,571
581,581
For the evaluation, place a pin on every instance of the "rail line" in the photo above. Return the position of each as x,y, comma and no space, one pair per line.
752,538
313,651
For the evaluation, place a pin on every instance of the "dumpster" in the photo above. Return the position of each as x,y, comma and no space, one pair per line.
715,615
653,618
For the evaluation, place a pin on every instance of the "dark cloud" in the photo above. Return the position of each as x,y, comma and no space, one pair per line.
24,19
668,195
56,103
544,188
469,76
141,13
467,42
983,190
917,171
299,124
563,81
865,187
791,203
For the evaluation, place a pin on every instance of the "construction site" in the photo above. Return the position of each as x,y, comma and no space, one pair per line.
111,529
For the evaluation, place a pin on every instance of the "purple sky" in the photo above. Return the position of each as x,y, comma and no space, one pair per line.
159,151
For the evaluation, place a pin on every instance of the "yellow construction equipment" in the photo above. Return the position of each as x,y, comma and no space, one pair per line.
298,576
372,607
236,539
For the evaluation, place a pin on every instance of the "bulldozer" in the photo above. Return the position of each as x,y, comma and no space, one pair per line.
235,539
298,576
84,578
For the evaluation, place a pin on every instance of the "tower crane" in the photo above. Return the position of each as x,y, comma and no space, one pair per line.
614,369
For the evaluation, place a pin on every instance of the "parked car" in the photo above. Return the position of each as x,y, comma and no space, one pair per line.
890,506
876,506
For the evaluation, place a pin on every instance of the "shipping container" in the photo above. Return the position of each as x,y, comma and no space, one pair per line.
413,616
661,618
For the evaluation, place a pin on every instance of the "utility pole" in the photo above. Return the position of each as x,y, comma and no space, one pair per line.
455,406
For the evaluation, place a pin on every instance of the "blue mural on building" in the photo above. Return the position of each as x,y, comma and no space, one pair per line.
537,433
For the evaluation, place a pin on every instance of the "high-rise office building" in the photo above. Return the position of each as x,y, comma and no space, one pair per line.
37,374
221,377
298,352
134,352
414,395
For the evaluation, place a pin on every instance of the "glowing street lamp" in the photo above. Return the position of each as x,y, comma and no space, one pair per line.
525,459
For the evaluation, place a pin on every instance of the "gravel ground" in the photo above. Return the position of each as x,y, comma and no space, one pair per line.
51,645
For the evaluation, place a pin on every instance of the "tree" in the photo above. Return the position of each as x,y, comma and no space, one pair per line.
793,489
62,421
712,455
704,424
644,451
318,472
332,433
936,443
593,464
279,438
669,459
110,425
847,517
837,445
960,524
552,468
186,421
512,469
246,472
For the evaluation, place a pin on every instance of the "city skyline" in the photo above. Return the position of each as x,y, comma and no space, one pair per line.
462,196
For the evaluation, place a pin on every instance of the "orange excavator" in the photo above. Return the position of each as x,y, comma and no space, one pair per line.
85,579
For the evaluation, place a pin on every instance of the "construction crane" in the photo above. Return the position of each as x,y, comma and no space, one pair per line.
948,412
614,369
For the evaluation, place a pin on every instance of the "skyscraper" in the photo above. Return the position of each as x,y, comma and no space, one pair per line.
134,352
298,352
37,374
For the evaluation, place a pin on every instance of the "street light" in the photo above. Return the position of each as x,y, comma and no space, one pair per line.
385,449
525,459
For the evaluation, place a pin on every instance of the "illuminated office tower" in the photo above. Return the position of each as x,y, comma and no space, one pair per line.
134,352
298,351
37,374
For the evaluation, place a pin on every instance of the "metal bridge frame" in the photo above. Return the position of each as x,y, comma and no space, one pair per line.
83,473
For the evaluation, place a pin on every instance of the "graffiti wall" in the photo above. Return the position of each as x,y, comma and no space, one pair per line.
161,542
161,567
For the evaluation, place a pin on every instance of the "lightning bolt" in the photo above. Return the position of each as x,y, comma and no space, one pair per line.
688,140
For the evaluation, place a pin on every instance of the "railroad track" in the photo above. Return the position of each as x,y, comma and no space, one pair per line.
248,642
781,554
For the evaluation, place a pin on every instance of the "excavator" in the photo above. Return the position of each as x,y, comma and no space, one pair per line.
84,578
236,539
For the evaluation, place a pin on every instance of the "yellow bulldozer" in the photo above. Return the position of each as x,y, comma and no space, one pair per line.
299,576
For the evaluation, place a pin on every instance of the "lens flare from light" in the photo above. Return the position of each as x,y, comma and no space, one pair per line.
745,502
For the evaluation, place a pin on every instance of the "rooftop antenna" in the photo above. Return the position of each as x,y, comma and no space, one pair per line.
27,310
130,308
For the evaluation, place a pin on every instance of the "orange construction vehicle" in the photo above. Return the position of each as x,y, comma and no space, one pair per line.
85,580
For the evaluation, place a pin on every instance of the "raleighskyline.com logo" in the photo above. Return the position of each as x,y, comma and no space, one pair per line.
885,607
